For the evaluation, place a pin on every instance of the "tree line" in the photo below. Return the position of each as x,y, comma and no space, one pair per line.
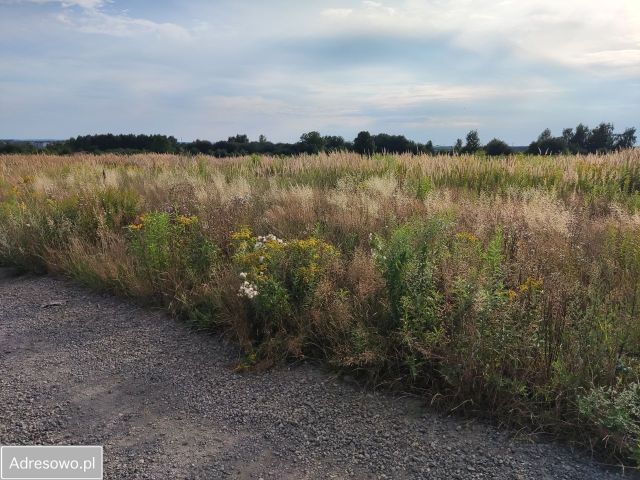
582,139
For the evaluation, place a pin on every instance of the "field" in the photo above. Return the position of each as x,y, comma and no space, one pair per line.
503,287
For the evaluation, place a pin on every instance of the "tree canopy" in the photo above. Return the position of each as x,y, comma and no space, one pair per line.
580,139
497,147
601,139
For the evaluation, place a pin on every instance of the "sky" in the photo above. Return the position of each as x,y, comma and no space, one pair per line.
427,69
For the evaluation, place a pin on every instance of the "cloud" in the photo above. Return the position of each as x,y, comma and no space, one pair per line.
93,18
400,95
337,12
247,103
423,68
98,22
89,4
86,4
379,7
578,34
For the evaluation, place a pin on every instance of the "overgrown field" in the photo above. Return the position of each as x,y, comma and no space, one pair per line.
506,286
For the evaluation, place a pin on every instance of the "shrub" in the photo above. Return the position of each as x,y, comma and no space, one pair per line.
278,280
173,255
497,147
614,412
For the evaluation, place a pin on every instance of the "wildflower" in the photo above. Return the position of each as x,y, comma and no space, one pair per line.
248,290
270,238
531,284
469,237
186,220
242,234
243,275
258,245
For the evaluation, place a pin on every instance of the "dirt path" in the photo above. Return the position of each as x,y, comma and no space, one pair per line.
85,368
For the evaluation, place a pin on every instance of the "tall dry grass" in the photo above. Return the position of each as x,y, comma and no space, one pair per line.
507,285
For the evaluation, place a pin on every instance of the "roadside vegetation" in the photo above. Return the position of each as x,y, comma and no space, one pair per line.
506,286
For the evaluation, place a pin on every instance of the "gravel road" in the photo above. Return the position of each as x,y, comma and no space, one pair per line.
85,368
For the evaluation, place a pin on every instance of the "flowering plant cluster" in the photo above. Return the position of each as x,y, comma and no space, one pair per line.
160,241
262,240
248,290
252,254
278,280
288,269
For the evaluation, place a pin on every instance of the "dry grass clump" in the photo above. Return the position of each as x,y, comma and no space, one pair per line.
509,286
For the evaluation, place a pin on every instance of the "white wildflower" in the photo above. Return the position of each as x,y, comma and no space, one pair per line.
248,290
263,239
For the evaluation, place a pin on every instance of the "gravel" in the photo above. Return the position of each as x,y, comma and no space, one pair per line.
91,369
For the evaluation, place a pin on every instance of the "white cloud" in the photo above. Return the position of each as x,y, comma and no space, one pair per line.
91,4
86,4
379,8
398,95
98,22
246,103
92,18
337,12
577,33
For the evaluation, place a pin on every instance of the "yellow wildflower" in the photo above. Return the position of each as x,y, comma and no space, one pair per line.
531,284
186,220
244,234
467,236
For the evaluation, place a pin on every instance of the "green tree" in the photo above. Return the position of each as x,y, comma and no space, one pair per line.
601,138
239,139
547,144
334,143
364,143
624,140
497,147
312,142
580,140
428,148
545,135
458,147
473,142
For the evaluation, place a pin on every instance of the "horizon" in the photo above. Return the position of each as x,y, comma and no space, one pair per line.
423,69
275,141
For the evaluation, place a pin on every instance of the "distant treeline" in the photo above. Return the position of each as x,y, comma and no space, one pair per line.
582,139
